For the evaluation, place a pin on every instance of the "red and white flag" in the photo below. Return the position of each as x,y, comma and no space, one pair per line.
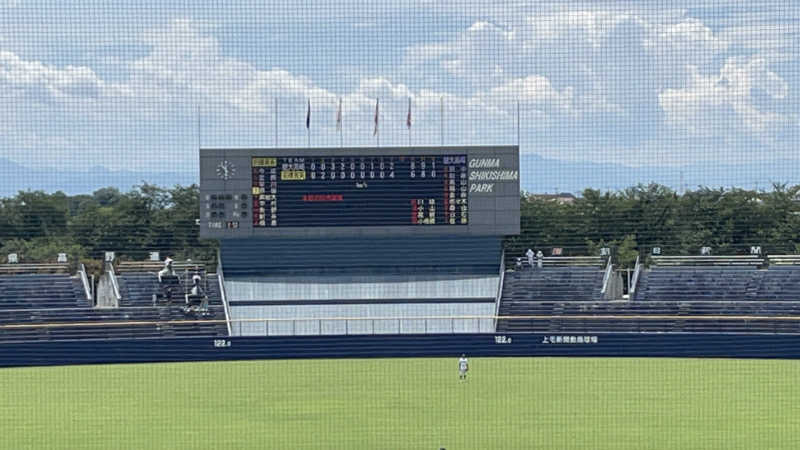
375,132
339,116
408,116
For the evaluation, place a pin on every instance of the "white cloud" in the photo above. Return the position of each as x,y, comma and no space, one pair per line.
688,41
533,91
590,26
612,60
762,36
37,81
723,103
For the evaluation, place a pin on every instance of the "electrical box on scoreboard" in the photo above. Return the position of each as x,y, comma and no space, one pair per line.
329,192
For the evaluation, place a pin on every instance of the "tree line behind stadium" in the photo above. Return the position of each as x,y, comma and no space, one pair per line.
38,225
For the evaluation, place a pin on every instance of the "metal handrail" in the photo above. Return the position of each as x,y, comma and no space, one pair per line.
114,284
607,276
500,286
221,281
637,268
85,280
581,317
784,259
732,260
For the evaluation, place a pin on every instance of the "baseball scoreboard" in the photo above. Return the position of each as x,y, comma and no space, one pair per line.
359,191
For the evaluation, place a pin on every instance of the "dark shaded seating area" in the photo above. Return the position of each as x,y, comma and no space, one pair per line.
693,283
53,307
89,323
745,283
553,284
25,291
655,317
780,283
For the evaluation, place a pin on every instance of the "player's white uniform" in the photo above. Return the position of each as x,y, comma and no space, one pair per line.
463,366
529,254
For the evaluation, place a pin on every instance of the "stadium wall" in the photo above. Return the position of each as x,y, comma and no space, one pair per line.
364,287
359,256
690,345
401,318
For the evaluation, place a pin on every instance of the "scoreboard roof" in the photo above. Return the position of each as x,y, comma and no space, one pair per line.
346,192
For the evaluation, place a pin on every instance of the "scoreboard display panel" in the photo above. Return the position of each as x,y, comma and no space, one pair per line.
350,192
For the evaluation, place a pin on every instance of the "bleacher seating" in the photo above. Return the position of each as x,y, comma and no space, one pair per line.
41,291
81,323
54,306
699,283
138,288
742,283
553,284
653,316
780,283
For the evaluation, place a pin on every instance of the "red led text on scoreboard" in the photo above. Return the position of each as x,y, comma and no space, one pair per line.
323,198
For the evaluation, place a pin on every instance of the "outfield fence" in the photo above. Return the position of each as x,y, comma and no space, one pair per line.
427,321
562,344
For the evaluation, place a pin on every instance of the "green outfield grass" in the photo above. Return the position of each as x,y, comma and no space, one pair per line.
508,403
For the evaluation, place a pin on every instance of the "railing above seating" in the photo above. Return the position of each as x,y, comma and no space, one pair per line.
500,282
572,261
743,260
223,294
784,260
155,266
44,268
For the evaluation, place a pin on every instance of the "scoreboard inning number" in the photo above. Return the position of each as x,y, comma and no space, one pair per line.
308,191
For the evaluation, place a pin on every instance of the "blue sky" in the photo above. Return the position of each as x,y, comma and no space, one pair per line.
638,85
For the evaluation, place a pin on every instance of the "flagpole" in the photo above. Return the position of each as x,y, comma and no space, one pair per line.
408,121
308,125
340,124
517,125
198,126
276,121
377,121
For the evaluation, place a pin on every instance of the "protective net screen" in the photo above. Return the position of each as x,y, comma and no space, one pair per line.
405,224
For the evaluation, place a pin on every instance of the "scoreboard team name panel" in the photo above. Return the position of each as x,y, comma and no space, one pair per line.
360,191
332,192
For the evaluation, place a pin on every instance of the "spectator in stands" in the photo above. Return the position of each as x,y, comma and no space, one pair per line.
539,259
519,264
529,254
196,291
167,270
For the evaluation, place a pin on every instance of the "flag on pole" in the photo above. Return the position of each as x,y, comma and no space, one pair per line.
375,132
408,116
308,115
339,116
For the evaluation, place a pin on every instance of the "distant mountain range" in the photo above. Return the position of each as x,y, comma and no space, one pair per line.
539,175
15,177
542,175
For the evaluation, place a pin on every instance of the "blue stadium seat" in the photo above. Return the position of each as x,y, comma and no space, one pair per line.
38,312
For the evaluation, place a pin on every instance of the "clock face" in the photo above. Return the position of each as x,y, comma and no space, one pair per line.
226,170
